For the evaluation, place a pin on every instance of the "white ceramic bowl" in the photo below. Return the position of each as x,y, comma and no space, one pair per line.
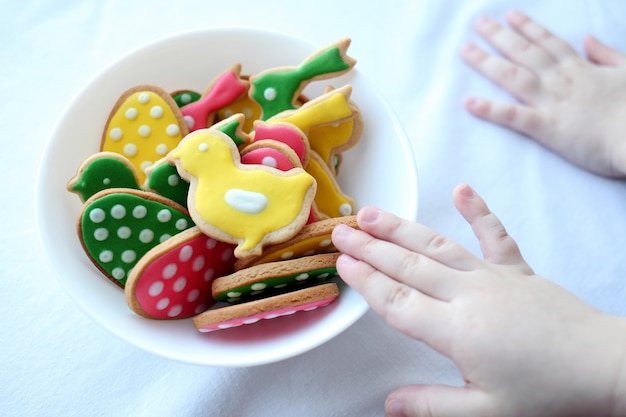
379,171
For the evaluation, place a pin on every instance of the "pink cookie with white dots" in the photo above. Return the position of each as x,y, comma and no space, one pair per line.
307,299
173,280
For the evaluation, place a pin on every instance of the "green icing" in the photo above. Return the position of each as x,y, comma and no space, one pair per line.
102,174
278,284
231,129
165,180
119,228
287,83
186,97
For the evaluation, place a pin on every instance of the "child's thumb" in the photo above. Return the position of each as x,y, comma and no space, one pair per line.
601,54
437,400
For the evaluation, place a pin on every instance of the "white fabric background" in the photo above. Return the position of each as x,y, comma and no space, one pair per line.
571,225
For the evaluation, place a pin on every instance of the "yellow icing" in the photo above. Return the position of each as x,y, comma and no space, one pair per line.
332,108
324,139
244,105
210,161
143,129
329,198
310,246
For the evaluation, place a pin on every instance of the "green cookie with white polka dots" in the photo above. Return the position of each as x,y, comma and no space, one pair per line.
118,226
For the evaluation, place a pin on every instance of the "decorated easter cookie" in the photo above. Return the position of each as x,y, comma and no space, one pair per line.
222,92
184,97
313,239
277,89
248,205
117,227
330,200
102,171
286,133
144,126
163,178
173,279
268,278
332,123
306,299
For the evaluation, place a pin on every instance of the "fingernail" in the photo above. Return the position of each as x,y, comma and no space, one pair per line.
467,191
369,215
342,230
344,259
394,408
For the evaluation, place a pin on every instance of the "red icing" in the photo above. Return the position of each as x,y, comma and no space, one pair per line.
284,311
177,284
290,137
259,156
226,89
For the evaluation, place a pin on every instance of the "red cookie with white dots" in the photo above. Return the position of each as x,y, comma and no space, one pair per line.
173,280
307,299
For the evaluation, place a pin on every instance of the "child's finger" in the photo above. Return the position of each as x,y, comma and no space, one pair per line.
415,237
408,310
497,245
438,400
539,35
517,80
416,270
601,54
523,119
517,48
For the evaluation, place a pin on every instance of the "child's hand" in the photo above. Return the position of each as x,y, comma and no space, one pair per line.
571,105
525,346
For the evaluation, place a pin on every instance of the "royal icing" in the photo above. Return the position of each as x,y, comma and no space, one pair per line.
163,178
173,281
253,318
285,133
272,285
182,98
102,171
118,228
210,161
276,90
226,89
144,126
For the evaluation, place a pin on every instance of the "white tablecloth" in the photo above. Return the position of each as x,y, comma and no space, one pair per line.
571,225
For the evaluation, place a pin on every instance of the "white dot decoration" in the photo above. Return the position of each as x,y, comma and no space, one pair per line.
156,288
175,311
181,224
118,211
164,216
161,149
116,133
97,215
156,112
105,256
270,94
130,149
146,236
324,243
163,303
131,113
193,295
144,131
190,122
203,147
180,284
173,180
169,271
345,209
172,130
139,212
185,253
269,161
124,232
198,263
129,256
143,98
100,234
118,273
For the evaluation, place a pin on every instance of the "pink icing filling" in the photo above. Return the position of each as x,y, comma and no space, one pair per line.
226,90
284,134
178,283
269,157
285,311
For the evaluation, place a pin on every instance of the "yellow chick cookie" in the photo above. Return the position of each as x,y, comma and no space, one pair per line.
248,205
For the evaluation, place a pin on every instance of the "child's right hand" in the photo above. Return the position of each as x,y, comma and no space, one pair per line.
573,106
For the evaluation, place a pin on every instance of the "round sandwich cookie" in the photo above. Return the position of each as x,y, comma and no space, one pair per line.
314,238
272,277
173,279
306,299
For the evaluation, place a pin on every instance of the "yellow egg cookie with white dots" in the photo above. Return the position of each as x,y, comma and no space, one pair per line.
144,126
